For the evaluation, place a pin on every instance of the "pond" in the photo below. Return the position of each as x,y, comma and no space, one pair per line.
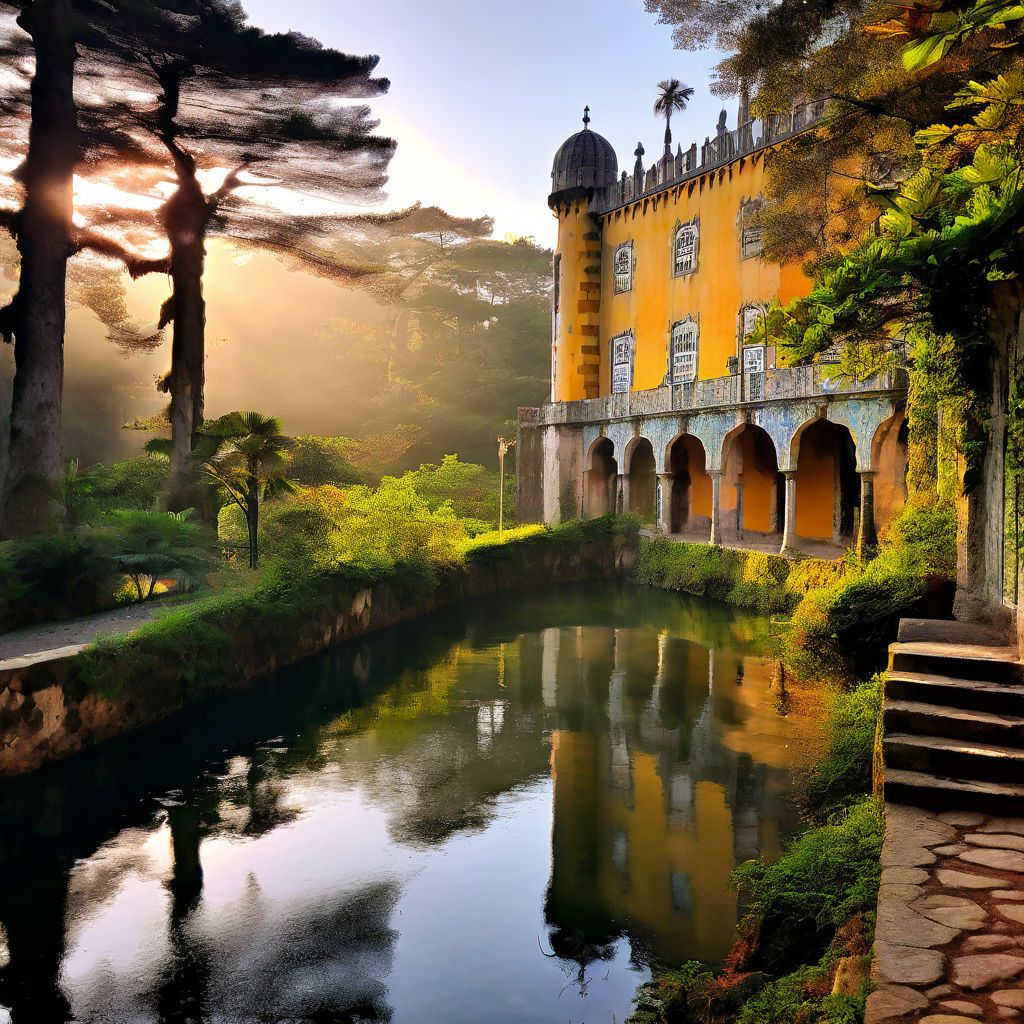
506,812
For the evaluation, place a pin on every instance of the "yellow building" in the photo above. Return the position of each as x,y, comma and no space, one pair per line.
665,398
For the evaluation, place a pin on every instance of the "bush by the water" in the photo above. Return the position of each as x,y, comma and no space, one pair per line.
748,579
843,773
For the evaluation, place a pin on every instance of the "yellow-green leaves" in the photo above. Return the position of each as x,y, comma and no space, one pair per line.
948,28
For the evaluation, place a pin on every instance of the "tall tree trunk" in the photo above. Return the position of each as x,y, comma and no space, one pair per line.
44,228
252,515
186,217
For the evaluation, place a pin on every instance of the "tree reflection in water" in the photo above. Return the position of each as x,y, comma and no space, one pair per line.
282,854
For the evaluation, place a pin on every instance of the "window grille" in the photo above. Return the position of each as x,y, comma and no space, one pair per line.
623,267
685,251
684,352
622,363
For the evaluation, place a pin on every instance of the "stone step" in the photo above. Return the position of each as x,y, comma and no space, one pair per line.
920,789
954,758
951,631
958,660
970,694
918,718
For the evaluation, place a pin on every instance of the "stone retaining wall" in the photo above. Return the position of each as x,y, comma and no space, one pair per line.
49,711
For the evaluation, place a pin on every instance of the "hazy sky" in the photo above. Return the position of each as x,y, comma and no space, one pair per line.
484,91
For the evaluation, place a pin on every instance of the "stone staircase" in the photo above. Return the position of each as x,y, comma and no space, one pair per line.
954,719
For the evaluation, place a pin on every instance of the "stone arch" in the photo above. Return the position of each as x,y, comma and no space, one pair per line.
889,463
600,478
827,491
753,489
688,490
641,479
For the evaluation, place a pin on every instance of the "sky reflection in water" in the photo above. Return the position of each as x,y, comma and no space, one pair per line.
502,813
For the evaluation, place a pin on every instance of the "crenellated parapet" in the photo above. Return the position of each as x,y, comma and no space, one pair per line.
727,145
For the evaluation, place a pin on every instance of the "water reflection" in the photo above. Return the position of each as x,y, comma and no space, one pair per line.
503,814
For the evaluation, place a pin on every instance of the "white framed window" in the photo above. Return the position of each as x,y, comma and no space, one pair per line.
684,351
622,363
753,359
750,230
684,249
623,268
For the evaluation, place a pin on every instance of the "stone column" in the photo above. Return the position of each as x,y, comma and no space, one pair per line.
716,501
622,492
789,513
867,538
665,482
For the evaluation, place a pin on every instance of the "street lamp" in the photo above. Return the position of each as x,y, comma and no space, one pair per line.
504,443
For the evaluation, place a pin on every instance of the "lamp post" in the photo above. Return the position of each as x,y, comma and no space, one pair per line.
503,446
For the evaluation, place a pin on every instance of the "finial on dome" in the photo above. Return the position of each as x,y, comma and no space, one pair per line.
586,118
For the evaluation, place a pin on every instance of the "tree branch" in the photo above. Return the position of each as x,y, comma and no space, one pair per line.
136,265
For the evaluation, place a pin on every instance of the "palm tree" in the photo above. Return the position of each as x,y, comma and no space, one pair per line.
672,96
249,464
150,545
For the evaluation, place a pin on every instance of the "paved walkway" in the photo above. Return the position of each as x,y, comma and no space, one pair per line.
769,543
949,941
61,639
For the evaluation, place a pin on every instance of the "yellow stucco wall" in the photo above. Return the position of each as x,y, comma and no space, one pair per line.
816,483
750,460
576,357
712,294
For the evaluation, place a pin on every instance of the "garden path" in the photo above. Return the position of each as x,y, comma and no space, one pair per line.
51,640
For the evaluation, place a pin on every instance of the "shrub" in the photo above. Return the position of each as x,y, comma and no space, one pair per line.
54,577
130,484
470,489
844,771
827,875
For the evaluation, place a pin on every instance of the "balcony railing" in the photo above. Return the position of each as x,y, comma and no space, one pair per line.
778,385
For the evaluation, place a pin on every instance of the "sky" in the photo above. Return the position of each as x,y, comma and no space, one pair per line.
484,92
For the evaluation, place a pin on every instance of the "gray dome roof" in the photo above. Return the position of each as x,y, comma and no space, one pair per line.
586,160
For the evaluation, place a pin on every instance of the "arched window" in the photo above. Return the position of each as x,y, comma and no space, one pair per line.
684,351
622,362
684,251
752,323
623,268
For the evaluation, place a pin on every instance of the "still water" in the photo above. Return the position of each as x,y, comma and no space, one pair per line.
504,813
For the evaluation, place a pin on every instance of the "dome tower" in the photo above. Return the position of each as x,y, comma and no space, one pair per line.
583,172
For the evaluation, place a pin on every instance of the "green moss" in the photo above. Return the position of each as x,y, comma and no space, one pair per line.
748,579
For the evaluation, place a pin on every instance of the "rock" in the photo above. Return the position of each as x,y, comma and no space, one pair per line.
978,943
965,880
908,876
982,969
952,911
907,965
891,1001
1001,860
1002,841
1013,911
1004,825
938,991
966,819
1008,997
1008,894
1005,1011
950,851
962,1006
899,925
905,851
947,1018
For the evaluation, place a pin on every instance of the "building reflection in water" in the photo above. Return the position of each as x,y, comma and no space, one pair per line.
276,853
